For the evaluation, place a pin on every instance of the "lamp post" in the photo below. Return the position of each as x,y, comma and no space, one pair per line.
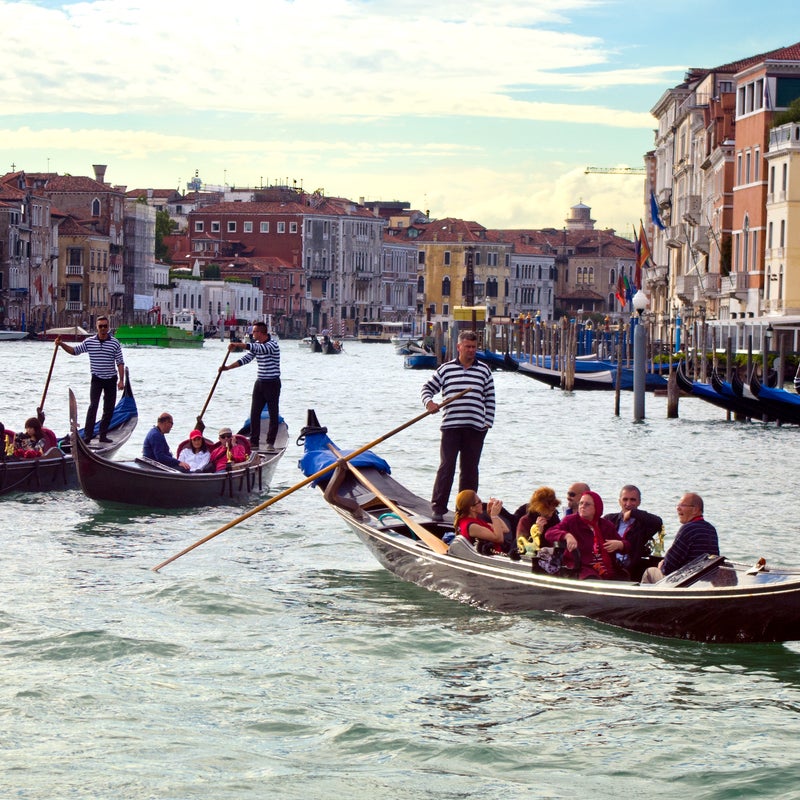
639,372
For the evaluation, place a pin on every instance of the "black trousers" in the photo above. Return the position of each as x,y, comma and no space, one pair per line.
108,388
464,444
265,393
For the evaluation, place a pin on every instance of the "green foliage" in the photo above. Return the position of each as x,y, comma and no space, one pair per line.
211,272
791,114
164,227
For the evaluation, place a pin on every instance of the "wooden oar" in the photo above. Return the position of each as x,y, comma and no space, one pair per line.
40,410
200,425
430,539
306,481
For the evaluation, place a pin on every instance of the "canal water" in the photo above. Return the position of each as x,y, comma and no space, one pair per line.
279,660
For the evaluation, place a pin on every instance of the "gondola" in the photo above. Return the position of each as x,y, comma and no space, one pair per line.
710,600
143,482
603,379
783,405
705,391
55,469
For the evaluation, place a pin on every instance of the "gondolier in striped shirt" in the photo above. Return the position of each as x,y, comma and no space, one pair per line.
464,422
108,374
267,388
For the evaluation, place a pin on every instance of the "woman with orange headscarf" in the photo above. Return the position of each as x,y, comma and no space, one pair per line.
595,538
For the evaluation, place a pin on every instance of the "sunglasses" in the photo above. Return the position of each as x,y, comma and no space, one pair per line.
226,436
100,327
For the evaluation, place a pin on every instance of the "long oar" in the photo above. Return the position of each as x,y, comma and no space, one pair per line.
305,482
430,539
40,410
200,425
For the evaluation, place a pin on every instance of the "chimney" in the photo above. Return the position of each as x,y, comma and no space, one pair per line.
99,172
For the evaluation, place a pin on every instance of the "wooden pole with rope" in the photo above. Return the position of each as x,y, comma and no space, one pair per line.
200,425
40,409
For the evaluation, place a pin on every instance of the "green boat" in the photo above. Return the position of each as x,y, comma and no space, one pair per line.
184,330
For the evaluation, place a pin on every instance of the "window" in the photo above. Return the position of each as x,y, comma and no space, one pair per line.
215,227
198,227
231,227
447,258
247,227
292,227
477,258
421,257
281,227
95,208
446,286
264,227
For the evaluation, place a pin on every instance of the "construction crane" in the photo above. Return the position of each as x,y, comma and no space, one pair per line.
614,171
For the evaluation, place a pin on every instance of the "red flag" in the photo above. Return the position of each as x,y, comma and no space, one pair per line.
643,256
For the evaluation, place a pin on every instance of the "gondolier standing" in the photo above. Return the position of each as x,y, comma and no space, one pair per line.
267,388
108,374
464,421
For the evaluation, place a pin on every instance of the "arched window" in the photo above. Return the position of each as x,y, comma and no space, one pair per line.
95,207
446,286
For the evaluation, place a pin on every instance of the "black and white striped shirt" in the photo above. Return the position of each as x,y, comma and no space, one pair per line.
476,408
104,355
268,355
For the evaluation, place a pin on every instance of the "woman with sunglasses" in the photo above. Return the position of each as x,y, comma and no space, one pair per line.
228,451
469,520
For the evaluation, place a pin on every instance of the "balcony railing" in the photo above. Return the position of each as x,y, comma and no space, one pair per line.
74,269
735,283
685,286
74,305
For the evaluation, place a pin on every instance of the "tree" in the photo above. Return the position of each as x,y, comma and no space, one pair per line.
791,114
164,227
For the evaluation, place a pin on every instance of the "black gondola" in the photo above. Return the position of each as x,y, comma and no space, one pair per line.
55,469
710,600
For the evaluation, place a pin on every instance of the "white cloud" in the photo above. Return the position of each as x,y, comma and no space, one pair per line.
303,60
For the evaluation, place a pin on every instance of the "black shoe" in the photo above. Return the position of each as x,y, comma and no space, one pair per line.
105,440
436,516
87,439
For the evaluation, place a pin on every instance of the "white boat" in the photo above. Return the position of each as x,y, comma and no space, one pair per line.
379,331
13,336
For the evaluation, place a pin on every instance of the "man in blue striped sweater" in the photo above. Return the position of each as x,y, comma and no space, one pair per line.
108,374
267,388
464,422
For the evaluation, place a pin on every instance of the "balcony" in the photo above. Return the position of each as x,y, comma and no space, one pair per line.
316,296
735,284
75,270
700,239
674,236
74,305
712,281
685,287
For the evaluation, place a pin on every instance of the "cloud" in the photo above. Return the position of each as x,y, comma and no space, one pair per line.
341,60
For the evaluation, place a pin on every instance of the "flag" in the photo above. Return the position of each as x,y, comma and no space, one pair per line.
620,293
654,211
642,256
628,289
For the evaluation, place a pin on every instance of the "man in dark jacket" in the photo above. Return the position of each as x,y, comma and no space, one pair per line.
695,538
636,526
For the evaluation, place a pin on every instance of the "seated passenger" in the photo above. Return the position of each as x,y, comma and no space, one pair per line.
155,445
196,454
32,442
636,526
227,451
468,523
596,539
540,511
694,538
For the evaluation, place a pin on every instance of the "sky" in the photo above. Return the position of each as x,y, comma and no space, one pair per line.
486,111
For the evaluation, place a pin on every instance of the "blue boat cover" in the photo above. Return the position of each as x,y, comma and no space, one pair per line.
318,456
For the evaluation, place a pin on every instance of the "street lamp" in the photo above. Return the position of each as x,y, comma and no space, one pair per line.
639,372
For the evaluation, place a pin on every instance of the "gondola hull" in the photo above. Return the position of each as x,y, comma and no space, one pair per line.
711,601
55,469
143,483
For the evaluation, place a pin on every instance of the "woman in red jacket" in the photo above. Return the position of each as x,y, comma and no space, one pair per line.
469,524
594,537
